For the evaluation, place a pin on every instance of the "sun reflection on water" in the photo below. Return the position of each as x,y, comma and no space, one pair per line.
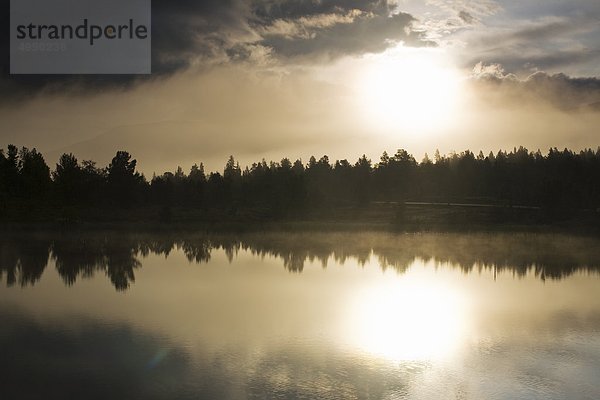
414,317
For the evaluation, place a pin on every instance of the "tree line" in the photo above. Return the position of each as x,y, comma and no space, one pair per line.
558,179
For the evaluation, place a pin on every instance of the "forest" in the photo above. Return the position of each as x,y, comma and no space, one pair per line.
557,181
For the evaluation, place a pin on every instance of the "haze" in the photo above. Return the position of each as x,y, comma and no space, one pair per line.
291,78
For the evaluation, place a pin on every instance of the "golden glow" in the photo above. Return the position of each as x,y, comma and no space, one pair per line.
409,318
409,90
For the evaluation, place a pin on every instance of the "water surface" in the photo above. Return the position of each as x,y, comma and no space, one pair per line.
299,316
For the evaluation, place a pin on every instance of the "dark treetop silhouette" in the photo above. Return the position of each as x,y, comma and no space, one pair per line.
556,182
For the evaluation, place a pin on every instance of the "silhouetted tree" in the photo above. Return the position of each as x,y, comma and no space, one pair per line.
68,179
124,183
34,174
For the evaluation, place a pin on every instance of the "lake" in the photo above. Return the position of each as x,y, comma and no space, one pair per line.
299,315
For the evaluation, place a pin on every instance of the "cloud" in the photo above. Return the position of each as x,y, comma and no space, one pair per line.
559,90
441,20
357,33
303,27
466,17
269,10
196,34
549,43
191,33
331,28
184,33
475,8
560,36
490,72
543,29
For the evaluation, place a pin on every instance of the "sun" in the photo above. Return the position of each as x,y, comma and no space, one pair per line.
415,318
412,90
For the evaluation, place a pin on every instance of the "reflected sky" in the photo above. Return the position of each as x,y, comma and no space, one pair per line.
241,326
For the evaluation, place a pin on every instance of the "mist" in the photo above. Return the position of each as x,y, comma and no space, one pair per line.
205,115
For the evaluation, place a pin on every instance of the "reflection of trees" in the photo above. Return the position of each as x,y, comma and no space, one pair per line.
121,260
297,248
23,261
198,251
82,256
78,257
23,258
548,256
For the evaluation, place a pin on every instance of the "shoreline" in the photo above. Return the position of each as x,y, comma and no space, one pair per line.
377,216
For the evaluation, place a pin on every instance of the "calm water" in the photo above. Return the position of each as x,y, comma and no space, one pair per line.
299,316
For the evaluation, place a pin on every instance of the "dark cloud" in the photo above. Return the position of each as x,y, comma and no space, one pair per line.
539,31
186,31
527,62
544,31
208,32
564,91
268,10
182,32
558,59
466,17
560,90
549,43
365,33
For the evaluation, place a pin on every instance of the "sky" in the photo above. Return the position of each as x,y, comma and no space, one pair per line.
294,78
